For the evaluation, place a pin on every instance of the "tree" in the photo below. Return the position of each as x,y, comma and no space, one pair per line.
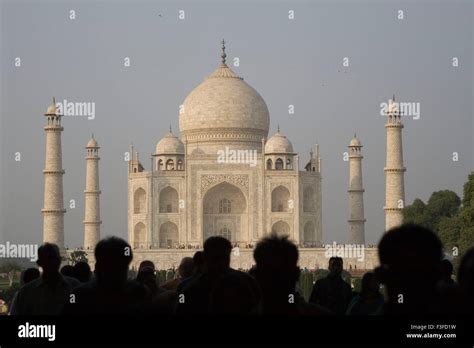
77,256
468,194
444,214
441,204
11,268
414,213
449,231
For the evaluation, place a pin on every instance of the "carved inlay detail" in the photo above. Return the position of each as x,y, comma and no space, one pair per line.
239,180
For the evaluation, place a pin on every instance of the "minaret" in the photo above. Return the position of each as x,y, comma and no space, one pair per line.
92,193
53,210
356,194
394,169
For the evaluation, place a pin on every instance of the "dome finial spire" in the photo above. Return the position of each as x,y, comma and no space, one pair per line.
223,55
171,131
278,128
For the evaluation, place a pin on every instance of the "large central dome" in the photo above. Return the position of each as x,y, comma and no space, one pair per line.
224,109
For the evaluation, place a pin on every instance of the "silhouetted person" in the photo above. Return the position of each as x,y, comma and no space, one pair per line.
45,295
198,268
277,272
232,296
198,261
466,280
162,300
410,260
195,297
369,301
185,270
82,272
147,277
110,292
27,276
446,284
67,270
332,292
146,264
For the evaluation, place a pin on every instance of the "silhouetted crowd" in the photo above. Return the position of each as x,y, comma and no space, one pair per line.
416,278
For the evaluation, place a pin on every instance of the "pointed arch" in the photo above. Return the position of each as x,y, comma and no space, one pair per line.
139,235
269,164
281,228
169,201
170,164
224,212
279,164
168,235
139,201
280,199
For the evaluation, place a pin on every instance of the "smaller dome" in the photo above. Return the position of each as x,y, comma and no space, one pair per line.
355,142
198,152
52,110
169,144
393,107
278,143
92,143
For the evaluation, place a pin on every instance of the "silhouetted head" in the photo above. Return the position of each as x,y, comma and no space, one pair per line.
410,258
446,270
335,265
186,267
146,264
67,270
370,285
276,265
82,271
147,277
231,295
198,260
466,273
217,255
113,256
49,258
29,275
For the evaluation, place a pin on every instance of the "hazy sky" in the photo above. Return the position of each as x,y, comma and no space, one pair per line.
287,61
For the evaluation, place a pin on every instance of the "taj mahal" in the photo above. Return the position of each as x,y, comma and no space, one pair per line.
224,175
190,195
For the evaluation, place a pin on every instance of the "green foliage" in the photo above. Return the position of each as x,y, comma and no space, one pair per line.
9,265
449,231
305,283
11,268
444,214
357,282
77,256
441,204
468,198
8,293
414,213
